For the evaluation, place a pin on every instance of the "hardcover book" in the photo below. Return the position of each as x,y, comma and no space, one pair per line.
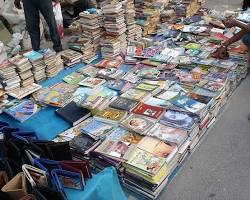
148,110
123,103
73,113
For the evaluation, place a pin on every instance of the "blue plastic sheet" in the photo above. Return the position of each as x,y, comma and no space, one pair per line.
103,186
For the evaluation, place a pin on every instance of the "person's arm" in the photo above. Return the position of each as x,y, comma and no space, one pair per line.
234,39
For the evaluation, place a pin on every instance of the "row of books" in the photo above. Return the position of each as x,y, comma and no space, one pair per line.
22,71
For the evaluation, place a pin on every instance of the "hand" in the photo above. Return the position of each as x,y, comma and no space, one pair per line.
221,53
17,4
230,22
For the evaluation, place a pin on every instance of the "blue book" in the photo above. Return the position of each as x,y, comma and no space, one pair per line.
96,129
188,104
21,110
116,84
33,55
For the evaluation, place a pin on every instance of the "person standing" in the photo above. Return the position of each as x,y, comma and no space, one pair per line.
32,17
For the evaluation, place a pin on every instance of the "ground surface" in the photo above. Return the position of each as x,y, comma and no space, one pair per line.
220,167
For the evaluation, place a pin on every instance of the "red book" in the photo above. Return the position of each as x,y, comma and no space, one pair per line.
148,110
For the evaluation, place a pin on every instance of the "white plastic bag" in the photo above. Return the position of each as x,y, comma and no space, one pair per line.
59,18
3,54
11,13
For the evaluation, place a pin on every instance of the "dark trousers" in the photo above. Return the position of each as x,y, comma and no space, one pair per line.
31,11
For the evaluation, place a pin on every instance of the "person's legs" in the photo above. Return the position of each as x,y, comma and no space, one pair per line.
32,22
46,9
246,41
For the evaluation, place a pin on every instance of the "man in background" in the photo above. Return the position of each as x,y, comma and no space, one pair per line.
31,11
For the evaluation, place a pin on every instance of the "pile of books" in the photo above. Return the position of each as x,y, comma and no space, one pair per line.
38,65
90,22
128,7
83,45
115,30
147,16
53,62
3,100
23,67
188,8
71,57
9,77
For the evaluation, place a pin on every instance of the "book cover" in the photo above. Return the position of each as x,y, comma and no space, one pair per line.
179,119
156,146
74,78
21,110
96,129
138,123
123,103
116,84
73,113
150,73
168,134
92,82
148,110
115,149
88,70
146,87
124,135
135,94
146,161
188,104
153,101
111,114
33,55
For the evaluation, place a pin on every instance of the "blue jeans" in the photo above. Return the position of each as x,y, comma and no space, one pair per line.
246,40
31,11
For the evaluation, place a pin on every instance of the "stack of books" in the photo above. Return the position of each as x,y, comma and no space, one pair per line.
115,30
91,27
9,77
83,45
148,168
53,62
188,8
23,67
3,99
71,57
128,7
38,65
147,16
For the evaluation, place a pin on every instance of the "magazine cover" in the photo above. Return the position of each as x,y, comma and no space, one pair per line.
21,110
